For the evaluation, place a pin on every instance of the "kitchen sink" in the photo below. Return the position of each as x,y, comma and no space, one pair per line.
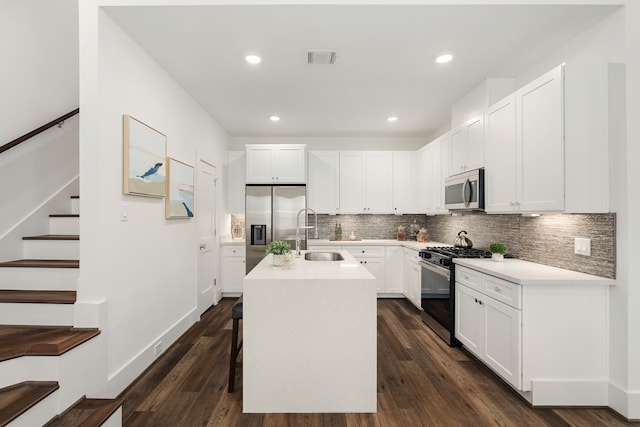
323,256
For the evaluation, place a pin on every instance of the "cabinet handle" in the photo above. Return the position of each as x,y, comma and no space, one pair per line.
480,302
497,289
476,299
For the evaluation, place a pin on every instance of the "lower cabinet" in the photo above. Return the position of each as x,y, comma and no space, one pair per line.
373,258
412,277
490,330
233,269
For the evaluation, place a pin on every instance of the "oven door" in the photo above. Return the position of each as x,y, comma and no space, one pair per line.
436,298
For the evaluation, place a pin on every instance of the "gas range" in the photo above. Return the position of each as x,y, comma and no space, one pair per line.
443,255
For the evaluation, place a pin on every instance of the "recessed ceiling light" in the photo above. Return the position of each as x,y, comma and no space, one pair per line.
253,59
443,59
392,119
274,118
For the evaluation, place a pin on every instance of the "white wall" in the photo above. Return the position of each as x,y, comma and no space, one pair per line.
145,268
39,73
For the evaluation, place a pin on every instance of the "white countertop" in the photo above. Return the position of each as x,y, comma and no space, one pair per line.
228,241
531,273
411,244
301,269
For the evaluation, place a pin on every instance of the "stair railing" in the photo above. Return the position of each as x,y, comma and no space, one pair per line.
59,121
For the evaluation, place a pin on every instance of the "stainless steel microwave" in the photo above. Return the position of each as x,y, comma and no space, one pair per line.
465,191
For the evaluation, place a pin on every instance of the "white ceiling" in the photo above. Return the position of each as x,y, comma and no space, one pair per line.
385,65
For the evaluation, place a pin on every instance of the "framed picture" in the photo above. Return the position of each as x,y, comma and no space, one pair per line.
180,190
145,152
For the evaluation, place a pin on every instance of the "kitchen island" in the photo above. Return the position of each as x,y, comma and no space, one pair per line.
309,337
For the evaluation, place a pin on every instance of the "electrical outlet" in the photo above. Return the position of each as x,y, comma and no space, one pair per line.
582,246
157,348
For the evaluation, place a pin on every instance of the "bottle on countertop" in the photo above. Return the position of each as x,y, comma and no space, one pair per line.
402,233
338,232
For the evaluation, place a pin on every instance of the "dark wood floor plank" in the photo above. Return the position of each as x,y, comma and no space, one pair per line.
18,398
421,382
18,341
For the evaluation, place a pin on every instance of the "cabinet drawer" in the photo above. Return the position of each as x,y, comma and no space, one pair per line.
411,255
366,251
504,291
233,251
471,278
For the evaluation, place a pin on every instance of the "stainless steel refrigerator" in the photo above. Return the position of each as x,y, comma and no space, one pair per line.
271,214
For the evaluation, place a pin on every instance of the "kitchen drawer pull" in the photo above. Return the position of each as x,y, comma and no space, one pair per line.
497,289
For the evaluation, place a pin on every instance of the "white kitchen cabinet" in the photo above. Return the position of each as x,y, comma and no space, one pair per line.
323,185
235,181
467,146
394,256
366,182
540,143
233,270
545,337
404,182
412,277
501,174
525,149
490,330
432,169
424,175
276,164
373,259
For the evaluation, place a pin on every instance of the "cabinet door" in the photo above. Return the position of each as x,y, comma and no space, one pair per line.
540,143
475,144
352,182
323,186
235,181
260,164
394,269
376,267
412,291
233,272
290,165
469,324
403,182
422,199
502,347
500,171
427,179
458,150
379,182
437,179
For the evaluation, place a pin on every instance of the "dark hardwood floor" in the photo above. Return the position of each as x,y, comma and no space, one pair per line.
421,382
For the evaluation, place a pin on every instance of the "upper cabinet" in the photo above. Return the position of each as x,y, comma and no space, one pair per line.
276,164
323,186
467,146
525,148
433,160
235,181
404,182
366,182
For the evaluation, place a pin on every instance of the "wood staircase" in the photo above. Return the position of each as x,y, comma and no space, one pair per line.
39,347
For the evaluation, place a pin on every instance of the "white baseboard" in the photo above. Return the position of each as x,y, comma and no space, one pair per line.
569,393
122,377
624,402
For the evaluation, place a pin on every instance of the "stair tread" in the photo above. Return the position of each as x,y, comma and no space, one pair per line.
25,340
42,263
86,413
64,216
53,237
18,398
37,296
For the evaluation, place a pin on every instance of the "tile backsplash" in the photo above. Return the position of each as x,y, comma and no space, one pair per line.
547,239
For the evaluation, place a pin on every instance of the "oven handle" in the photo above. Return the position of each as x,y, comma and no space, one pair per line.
442,271
465,186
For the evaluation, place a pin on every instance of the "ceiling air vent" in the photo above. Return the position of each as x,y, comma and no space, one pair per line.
322,57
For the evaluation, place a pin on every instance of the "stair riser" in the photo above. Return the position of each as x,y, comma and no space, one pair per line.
64,225
51,249
77,376
36,314
45,279
29,368
75,206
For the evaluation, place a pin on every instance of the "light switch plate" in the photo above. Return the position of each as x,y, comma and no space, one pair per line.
123,213
582,246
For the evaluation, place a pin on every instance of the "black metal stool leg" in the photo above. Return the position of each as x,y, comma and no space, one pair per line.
234,355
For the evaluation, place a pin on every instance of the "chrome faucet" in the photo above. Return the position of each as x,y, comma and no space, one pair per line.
315,227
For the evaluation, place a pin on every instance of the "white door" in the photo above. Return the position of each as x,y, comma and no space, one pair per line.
208,293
